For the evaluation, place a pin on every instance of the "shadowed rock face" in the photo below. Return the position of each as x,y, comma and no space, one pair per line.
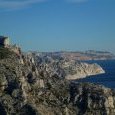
32,88
92,99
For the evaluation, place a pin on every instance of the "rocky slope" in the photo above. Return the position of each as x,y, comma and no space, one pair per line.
26,88
68,69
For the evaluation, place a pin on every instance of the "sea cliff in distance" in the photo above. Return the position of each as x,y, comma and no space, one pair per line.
78,55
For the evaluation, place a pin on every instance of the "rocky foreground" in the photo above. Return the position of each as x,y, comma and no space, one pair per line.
31,86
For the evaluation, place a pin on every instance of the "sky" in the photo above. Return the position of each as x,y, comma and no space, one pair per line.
59,25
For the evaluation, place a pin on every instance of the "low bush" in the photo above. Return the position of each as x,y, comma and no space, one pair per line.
4,53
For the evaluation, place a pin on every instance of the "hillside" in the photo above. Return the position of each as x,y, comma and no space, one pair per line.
62,67
87,55
28,88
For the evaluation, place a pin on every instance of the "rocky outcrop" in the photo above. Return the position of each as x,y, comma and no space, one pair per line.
29,88
68,69
92,99
82,70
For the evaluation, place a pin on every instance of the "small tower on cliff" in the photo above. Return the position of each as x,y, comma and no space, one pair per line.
4,41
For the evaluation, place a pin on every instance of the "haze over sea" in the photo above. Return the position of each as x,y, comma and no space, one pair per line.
107,79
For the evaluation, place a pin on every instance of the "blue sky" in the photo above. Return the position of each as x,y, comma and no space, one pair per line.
54,25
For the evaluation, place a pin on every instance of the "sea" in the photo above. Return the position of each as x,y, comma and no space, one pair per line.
107,79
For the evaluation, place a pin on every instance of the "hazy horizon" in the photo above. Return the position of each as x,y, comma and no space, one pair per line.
59,25
68,51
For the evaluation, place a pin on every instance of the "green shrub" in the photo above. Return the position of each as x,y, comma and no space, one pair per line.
4,53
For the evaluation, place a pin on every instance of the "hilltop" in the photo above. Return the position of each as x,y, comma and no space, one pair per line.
87,55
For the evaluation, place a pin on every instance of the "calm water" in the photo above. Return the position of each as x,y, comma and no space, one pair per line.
107,79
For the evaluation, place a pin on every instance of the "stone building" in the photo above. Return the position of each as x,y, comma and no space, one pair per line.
4,41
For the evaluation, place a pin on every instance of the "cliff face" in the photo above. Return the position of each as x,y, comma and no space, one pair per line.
92,99
68,69
29,88
82,70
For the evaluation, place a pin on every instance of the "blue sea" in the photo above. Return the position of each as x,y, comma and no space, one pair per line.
107,79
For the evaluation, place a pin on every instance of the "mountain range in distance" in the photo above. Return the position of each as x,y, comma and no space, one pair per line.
79,55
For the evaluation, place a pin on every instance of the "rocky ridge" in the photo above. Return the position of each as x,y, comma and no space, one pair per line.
28,88
80,55
68,69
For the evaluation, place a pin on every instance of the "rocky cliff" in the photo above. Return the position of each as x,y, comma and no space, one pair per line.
29,88
68,69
